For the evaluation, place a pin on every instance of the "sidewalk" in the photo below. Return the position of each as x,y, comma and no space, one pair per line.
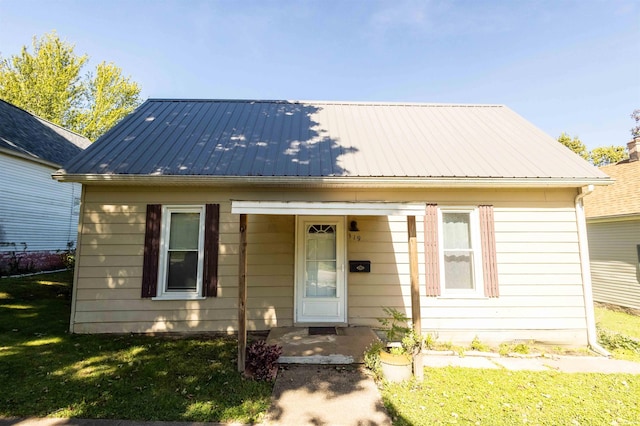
561,363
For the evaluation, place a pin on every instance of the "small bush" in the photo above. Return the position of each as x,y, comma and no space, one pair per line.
262,360
372,357
477,345
614,341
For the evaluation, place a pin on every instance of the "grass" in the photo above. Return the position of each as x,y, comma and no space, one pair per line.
498,397
619,332
44,371
618,321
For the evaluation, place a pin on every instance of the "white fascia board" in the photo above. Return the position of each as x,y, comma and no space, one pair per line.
328,182
327,208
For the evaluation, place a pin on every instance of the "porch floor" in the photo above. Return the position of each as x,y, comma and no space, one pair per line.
347,346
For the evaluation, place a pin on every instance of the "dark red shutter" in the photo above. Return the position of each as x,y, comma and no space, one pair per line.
431,252
211,241
151,250
489,260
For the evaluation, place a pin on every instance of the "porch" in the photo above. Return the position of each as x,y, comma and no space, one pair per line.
322,345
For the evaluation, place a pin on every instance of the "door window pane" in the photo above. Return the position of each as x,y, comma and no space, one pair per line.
321,278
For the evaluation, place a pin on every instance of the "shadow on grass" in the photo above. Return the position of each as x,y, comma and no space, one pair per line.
44,371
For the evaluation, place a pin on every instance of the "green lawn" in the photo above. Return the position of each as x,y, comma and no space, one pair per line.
618,321
498,397
619,332
44,371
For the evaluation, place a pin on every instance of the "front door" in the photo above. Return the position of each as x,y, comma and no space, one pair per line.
320,276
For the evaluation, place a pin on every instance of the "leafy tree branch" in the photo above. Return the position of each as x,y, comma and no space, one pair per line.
47,82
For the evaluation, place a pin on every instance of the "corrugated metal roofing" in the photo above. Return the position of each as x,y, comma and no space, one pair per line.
327,139
31,136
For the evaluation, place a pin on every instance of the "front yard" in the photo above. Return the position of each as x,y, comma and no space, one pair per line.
44,371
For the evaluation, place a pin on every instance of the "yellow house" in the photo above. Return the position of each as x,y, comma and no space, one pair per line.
229,215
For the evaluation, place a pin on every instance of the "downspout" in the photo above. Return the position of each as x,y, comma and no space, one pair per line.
587,290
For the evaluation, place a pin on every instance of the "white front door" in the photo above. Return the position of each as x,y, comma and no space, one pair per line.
320,269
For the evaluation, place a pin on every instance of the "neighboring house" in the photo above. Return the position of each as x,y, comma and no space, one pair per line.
215,215
38,216
613,224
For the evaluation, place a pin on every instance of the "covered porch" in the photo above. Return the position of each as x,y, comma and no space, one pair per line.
322,345
344,344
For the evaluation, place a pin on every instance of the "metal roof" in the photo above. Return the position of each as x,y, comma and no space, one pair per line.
30,136
286,139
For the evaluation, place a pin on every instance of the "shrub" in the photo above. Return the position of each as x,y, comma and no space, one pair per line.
372,357
614,341
477,345
262,360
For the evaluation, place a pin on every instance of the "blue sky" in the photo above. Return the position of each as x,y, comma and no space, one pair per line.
564,65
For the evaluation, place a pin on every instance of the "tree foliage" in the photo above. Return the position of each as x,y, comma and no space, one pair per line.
635,131
600,156
48,83
574,145
604,155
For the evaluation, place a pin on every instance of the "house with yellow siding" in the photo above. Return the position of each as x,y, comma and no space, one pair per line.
232,215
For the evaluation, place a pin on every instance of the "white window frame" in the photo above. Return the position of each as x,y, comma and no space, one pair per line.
165,232
476,250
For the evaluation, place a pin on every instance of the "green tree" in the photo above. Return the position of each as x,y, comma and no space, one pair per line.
48,83
574,145
600,156
110,97
604,155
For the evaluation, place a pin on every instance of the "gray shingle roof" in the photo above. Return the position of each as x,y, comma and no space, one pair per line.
328,139
28,135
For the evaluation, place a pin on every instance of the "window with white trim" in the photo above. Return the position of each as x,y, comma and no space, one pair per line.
460,252
181,252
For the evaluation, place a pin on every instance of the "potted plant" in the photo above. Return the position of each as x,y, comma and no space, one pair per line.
393,359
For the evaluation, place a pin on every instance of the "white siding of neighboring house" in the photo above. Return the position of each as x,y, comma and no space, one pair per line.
34,208
614,261
541,294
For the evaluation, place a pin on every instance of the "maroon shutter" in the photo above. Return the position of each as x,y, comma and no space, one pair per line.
431,252
151,250
489,261
211,240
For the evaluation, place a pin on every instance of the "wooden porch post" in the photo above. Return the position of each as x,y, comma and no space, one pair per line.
242,294
415,292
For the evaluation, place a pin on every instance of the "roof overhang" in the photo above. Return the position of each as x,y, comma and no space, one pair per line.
331,208
614,218
29,157
329,182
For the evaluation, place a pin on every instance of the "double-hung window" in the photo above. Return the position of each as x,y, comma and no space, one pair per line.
181,263
460,253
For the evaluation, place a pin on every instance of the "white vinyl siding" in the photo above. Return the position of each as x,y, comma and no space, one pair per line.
35,209
536,241
615,272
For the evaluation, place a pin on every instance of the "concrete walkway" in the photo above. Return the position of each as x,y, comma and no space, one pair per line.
561,363
326,395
